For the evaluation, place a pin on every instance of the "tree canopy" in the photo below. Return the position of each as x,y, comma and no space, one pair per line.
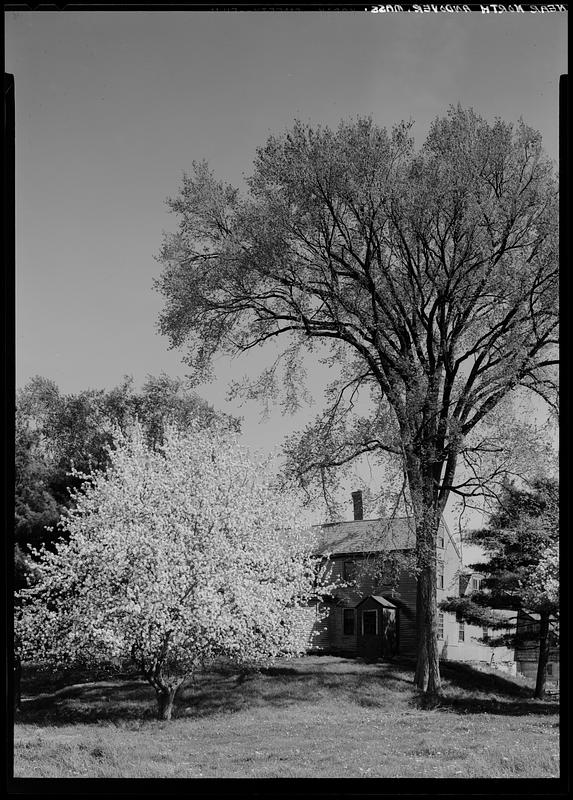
55,432
427,279
173,555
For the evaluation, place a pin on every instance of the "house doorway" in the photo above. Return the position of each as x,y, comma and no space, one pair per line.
377,635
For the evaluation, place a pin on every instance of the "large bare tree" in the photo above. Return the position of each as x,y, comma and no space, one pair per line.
429,276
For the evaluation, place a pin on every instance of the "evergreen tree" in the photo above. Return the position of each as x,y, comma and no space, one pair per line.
521,573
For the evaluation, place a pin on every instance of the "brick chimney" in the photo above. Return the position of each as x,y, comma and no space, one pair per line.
357,501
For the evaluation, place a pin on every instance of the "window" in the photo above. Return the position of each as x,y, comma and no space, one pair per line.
441,540
476,583
348,621
550,669
485,633
440,576
369,623
349,570
441,625
461,628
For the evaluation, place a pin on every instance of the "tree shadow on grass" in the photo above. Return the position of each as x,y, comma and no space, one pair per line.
466,677
106,701
493,705
383,685
212,693
467,690
280,687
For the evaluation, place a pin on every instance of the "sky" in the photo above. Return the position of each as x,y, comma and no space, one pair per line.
112,108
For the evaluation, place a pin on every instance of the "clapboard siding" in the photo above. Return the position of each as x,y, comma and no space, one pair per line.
531,653
405,599
340,642
315,621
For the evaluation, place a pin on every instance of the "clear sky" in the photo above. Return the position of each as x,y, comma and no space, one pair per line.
112,107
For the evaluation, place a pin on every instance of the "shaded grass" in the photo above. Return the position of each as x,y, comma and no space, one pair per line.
314,717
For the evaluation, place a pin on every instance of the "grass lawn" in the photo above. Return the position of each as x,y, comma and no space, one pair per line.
314,717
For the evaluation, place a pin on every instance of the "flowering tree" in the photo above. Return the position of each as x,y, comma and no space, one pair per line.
175,555
56,431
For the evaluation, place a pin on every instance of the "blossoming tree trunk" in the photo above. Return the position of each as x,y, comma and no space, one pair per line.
165,701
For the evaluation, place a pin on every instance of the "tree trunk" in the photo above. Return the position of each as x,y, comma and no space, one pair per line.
165,700
543,655
427,677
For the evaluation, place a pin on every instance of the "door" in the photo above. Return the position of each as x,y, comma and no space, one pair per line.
369,638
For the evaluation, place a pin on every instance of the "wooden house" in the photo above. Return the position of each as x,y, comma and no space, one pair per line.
374,614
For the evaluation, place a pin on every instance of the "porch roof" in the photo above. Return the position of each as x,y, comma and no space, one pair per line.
381,600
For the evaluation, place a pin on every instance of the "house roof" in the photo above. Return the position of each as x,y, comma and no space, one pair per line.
366,536
535,616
